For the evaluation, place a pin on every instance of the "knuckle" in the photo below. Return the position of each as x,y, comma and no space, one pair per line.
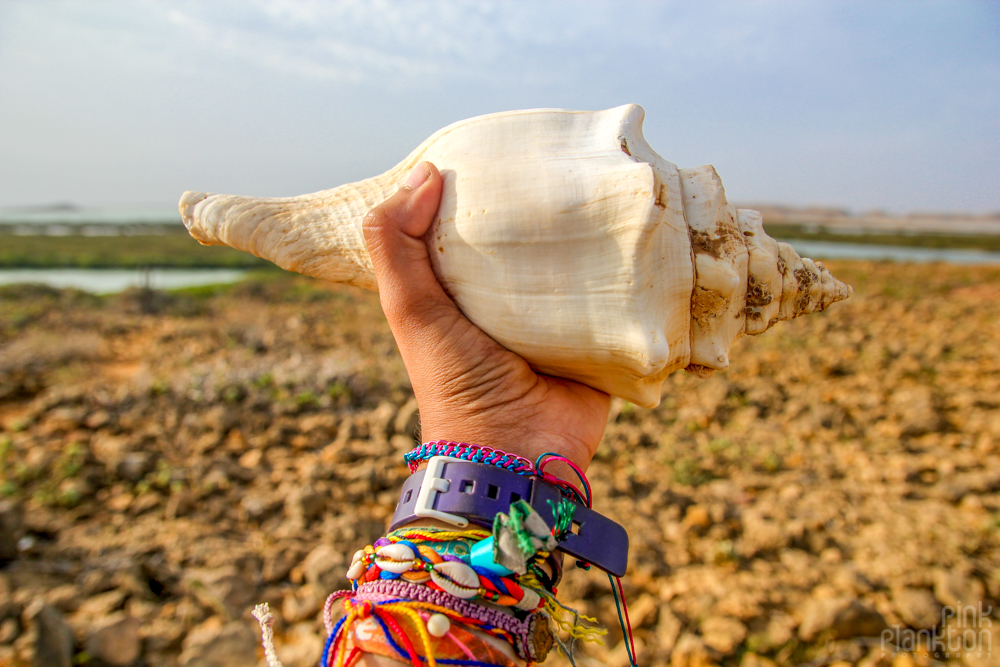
374,221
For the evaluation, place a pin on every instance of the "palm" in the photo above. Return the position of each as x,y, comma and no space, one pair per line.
468,386
495,397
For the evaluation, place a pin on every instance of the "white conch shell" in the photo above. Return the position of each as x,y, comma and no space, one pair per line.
396,558
566,238
456,578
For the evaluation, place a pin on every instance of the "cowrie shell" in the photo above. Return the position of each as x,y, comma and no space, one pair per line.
456,578
358,555
356,571
396,558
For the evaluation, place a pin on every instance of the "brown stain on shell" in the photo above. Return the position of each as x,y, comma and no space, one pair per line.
725,242
758,295
706,307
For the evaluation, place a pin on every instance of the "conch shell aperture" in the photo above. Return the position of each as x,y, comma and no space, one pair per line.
566,238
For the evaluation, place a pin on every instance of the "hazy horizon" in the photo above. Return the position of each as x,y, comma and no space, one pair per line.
890,106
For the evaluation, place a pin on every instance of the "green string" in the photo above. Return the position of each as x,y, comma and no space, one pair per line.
614,591
562,511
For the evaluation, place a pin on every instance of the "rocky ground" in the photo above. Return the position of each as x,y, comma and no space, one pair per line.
168,461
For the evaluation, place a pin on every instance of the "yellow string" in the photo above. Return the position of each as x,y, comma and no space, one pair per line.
450,613
421,628
351,615
443,535
558,614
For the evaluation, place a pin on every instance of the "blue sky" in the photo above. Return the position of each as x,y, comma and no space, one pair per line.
864,105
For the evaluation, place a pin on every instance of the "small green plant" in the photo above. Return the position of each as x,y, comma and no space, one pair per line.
159,478
71,460
233,393
719,445
688,471
263,381
724,552
338,390
68,498
6,446
306,399
772,462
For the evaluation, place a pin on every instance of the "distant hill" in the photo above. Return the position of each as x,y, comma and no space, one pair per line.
841,221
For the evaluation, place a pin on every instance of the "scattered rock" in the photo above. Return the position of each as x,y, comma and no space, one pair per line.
213,644
134,465
697,517
302,646
852,456
9,631
722,633
11,528
407,420
257,507
955,589
751,659
101,605
839,618
917,608
780,629
302,603
668,629
54,643
225,590
304,504
690,651
117,644
179,504
324,567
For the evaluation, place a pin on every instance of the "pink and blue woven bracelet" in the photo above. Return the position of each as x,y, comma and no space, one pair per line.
468,452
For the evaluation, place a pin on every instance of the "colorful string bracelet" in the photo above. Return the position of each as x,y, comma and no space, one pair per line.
468,452
420,564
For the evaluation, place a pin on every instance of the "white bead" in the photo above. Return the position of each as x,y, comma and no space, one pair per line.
438,625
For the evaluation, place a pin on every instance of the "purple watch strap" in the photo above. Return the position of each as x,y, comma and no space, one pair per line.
479,492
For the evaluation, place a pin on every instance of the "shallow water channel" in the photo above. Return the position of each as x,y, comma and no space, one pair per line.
105,281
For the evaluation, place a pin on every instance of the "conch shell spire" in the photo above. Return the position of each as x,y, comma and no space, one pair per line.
566,238
317,235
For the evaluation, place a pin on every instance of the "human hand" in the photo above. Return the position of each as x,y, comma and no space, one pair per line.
468,387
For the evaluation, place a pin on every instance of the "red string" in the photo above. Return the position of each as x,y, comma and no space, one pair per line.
328,658
621,592
391,622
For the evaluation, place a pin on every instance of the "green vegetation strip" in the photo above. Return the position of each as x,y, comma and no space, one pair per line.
105,252
950,241
181,251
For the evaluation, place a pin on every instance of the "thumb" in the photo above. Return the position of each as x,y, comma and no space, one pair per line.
394,233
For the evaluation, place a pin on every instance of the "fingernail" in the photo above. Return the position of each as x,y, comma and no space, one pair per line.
417,176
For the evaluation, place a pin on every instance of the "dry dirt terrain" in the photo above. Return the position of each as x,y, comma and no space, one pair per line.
169,460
